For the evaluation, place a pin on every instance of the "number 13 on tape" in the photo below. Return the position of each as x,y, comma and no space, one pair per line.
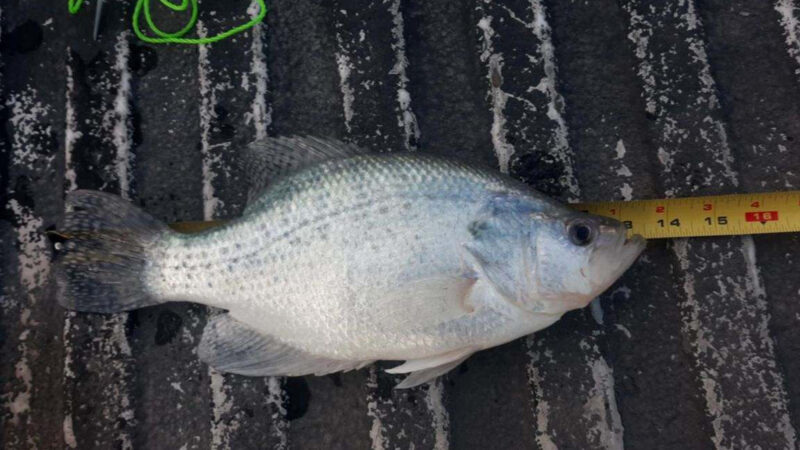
718,215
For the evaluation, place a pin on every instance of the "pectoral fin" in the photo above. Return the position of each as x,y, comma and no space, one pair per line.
231,346
423,303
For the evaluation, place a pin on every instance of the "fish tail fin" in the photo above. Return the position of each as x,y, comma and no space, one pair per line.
100,264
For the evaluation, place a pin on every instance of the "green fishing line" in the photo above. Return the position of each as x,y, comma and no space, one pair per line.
75,6
177,37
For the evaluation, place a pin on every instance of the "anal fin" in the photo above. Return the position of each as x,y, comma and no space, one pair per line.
228,345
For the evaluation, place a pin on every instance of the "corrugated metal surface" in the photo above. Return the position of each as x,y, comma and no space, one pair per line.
698,346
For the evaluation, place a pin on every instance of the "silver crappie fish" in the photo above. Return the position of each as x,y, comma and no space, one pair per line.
348,258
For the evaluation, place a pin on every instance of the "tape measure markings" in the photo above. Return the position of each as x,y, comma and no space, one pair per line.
717,215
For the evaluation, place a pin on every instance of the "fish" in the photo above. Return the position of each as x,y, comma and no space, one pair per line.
344,257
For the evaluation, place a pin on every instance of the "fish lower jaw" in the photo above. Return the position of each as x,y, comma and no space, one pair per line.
612,265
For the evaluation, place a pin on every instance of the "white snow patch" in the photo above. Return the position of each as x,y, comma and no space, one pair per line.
627,192
377,431
72,134
275,398
641,31
441,419
407,120
261,112
623,171
723,153
753,296
221,428
208,102
755,290
715,404
555,102
123,134
789,11
118,393
348,93
494,74
32,258
69,373
666,158
620,149
541,406
26,114
600,407
69,432
34,266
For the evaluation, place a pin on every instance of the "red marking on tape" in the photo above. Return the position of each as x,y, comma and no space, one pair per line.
761,216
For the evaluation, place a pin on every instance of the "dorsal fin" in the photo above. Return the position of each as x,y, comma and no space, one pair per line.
268,159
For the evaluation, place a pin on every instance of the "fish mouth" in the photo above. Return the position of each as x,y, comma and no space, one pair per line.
618,260
636,240
621,254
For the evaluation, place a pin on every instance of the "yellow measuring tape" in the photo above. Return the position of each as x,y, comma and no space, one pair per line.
716,215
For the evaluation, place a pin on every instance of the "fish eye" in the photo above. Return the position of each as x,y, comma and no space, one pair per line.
581,232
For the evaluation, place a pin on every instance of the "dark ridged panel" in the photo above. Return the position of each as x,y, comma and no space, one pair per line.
721,294
613,143
759,97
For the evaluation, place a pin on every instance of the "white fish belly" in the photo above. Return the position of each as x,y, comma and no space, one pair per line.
331,292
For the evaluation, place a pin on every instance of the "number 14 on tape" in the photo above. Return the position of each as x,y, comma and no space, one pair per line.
718,215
